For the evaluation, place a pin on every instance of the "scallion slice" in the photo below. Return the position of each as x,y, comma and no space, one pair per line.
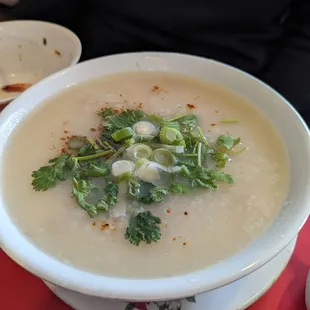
163,157
122,167
138,151
122,134
144,128
169,135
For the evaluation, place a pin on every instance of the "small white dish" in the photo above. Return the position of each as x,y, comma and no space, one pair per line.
237,295
32,50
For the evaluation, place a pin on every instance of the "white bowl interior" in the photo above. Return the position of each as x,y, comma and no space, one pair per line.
292,216
33,50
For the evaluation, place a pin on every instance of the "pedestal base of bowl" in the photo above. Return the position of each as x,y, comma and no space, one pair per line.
237,295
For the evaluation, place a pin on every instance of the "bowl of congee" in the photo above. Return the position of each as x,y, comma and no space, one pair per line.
150,176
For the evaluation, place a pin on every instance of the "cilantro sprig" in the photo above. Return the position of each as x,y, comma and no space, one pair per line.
143,227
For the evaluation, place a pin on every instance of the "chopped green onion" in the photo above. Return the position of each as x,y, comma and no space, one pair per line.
94,156
93,144
195,147
199,154
121,168
169,135
144,128
202,137
122,134
103,145
163,157
229,120
138,151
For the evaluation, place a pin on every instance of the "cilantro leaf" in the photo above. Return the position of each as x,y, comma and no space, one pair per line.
143,227
156,194
106,112
227,141
110,197
202,177
188,122
146,192
178,188
221,176
81,188
47,176
118,121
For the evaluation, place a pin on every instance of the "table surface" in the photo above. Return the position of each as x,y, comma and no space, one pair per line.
19,290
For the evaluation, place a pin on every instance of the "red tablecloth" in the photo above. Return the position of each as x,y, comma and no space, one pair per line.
20,290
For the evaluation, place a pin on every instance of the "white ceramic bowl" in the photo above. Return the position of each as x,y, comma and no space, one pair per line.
291,218
32,50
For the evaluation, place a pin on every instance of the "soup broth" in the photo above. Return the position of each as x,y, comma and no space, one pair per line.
198,229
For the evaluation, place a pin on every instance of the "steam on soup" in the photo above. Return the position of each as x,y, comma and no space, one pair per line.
152,174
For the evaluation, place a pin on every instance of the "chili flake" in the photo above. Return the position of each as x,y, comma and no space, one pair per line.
104,226
56,52
155,87
191,106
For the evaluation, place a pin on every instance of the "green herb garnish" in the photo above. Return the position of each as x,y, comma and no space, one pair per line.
47,176
152,155
115,122
143,227
179,188
227,142
110,197
229,120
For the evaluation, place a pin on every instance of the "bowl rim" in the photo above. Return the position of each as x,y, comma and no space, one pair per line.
180,286
76,53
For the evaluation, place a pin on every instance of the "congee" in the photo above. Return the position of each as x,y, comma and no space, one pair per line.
144,174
